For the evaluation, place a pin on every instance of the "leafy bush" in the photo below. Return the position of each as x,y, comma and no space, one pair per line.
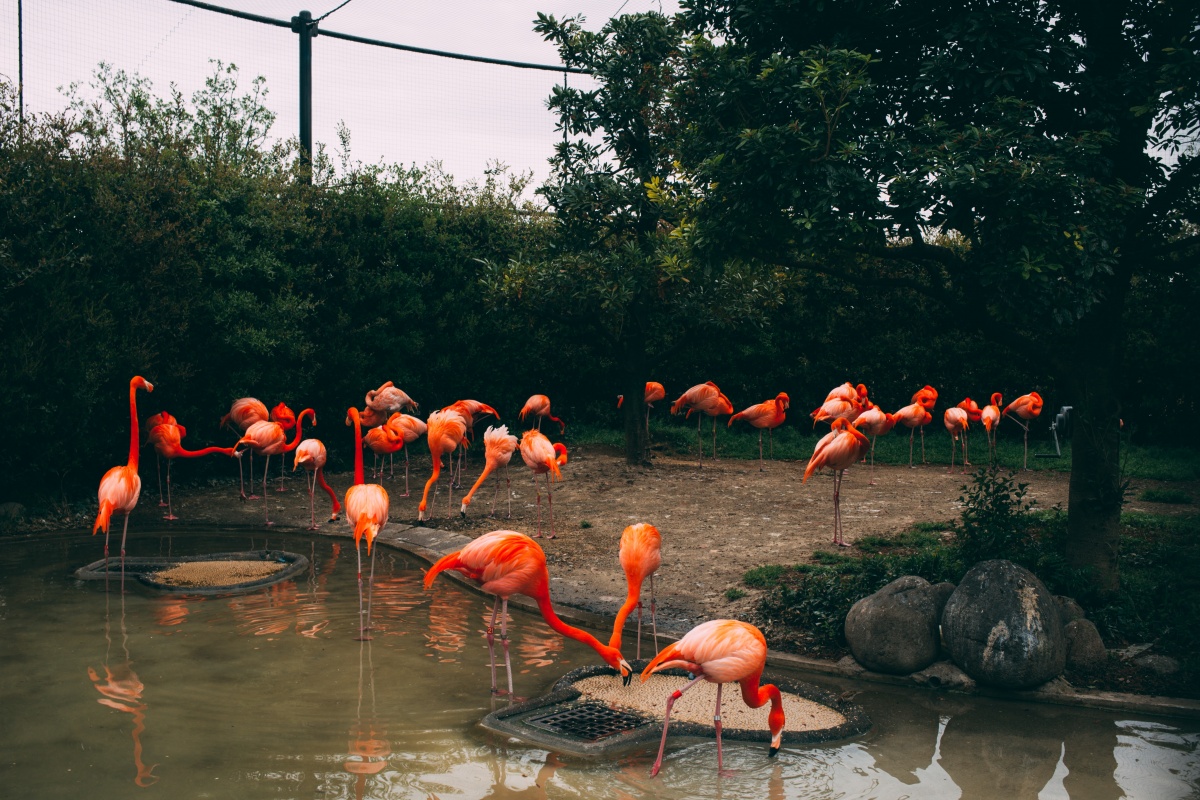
995,518
1177,496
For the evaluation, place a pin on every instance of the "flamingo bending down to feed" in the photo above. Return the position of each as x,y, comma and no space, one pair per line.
709,399
444,431
990,417
957,420
539,406
498,448
152,422
367,506
843,446
640,559
167,439
268,439
121,486
543,458
721,651
875,422
1027,407
311,455
912,417
471,411
768,414
505,563
244,412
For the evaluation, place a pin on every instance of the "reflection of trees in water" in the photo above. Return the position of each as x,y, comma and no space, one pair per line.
122,690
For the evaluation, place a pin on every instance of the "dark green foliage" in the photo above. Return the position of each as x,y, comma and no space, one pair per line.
995,518
734,593
1165,496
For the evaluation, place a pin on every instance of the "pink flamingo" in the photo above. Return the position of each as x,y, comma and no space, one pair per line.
709,399
640,558
121,486
367,507
311,455
874,422
383,441
470,410
410,429
843,446
287,420
539,406
1027,407
444,432
543,458
912,417
498,448
388,399
244,412
768,414
268,439
167,439
152,422
990,417
974,414
957,420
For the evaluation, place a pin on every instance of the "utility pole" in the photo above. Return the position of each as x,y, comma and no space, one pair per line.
307,29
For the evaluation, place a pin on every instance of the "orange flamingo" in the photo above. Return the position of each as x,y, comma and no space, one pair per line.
498,448
470,410
957,420
990,417
768,414
505,563
874,422
268,439
721,651
974,414
843,446
410,429
367,506
244,412
383,441
709,399
121,486
654,393
543,458
388,399
539,406
912,417
640,558
444,431
167,440
152,422
843,402
1027,407
311,455
287,420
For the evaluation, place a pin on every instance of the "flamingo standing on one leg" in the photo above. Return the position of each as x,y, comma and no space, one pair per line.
498,448
1027,407
640,558
974,414
367,506
843,446
385,400
705,397
769,414
912,417
383,441
167,439
957,420
721,651
539,406
543,458
990,417
505,563
153,421
287,420
121,486
410,429
244,412
268,439
875,422
444,432
311,455
926,397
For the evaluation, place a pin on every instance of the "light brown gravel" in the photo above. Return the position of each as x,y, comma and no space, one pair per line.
217,573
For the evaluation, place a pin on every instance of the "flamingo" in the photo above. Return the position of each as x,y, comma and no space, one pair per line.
875,422
1027,407
153,421
498,448
505,563
543,458
721,651
167,440
121,486
383,440
640,558
926,397
244,412
654,392
990,417
410,429
705,397
843,446
957,420
912,417
539,406
974,414
768,414
444,432
287,420
470,410
268,439
367,508
310,454
387,398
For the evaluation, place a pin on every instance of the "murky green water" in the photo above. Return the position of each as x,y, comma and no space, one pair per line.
106,694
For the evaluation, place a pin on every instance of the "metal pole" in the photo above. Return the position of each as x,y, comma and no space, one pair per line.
307,29
21,63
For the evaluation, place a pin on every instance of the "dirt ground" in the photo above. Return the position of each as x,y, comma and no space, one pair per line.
716,522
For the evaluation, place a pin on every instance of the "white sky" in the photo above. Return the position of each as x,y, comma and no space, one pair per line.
399,107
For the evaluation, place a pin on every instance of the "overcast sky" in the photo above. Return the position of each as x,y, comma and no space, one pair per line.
399,107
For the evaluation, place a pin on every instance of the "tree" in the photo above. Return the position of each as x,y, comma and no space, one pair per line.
615,275
1048,140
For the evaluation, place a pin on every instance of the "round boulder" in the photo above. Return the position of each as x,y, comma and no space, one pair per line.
895,630
1002,627
1085,648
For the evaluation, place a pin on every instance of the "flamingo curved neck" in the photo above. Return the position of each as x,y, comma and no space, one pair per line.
544,605
133,426
623,613
287,448
359,479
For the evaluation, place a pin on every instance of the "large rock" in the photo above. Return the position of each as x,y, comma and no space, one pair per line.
895,630
1003,628
1085,648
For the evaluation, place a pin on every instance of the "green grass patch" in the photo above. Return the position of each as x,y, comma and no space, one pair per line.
1175,496
764,577
734,593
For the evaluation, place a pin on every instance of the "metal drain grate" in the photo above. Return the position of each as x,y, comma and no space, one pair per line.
588,721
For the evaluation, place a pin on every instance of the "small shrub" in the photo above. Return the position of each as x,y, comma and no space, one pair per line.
585,524
763,577
995,519
734,593
1176,496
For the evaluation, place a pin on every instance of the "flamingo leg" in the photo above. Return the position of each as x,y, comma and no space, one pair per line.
495,496
406,472
639,633
170,516
491,640
647,431
911,432
158,469
266,497
770,443
508,491
699,442
714,450
242,479
358,555
252,496
675,695
837,509
760,460
282,466
966,461
450,497
124,532
392,465
538,490
717,725
550,503
953,445
923,461
312,509
504,641
872,481
370,594
653,623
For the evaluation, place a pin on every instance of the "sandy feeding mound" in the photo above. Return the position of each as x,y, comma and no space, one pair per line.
217,573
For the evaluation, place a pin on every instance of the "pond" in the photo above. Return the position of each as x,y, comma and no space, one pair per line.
111,694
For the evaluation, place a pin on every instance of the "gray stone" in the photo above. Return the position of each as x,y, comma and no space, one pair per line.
849,667
1069,609
1003,628
944,675
895,630
1085,648
1161,665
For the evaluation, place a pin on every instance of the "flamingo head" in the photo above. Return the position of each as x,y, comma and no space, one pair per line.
620,400
783,400
138,382
997,399
284,416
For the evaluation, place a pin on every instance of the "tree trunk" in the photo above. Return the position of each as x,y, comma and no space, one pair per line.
634,407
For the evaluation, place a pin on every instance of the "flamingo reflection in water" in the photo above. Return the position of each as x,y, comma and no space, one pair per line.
121,689
368,747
